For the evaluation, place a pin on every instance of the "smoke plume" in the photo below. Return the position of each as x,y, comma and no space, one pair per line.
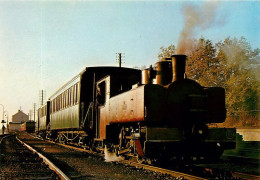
111,157
195,18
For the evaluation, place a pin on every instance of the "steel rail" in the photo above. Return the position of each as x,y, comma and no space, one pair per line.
3,137
137,165
245,176
153,168
162,170
72,147
52,166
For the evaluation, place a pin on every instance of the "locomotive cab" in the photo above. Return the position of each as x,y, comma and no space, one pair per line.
140,105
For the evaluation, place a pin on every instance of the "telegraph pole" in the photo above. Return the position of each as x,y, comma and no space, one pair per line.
119,59
30,115
34,108
42,96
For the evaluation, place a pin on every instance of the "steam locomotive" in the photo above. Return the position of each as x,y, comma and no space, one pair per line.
154,113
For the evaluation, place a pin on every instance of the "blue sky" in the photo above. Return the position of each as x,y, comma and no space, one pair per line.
45,43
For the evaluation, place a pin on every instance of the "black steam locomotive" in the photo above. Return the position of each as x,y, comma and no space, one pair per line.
155,113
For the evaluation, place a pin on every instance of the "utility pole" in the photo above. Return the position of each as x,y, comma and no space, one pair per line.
42,96
34,108
30,114
119,59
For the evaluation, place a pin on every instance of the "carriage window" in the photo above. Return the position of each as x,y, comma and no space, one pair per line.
54,105
67,98
72,95
62,100
63,103
70,89
101,93
58,103
76,93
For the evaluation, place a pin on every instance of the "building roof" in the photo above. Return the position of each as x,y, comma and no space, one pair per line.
20,116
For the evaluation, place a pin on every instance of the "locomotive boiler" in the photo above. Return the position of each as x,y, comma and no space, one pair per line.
156,113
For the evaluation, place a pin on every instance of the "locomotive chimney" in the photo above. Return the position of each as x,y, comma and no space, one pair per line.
178,67
164,71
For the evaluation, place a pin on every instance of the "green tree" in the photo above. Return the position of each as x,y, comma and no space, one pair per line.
239,64
166,52
202,64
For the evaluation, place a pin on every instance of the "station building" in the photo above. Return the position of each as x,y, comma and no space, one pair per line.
17,120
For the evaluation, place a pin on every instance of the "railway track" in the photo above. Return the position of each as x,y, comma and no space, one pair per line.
171,173
74,159
51,165
2,137
77,163
208,172
18,162
198,171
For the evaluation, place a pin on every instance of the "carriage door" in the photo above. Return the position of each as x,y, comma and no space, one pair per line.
102,99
